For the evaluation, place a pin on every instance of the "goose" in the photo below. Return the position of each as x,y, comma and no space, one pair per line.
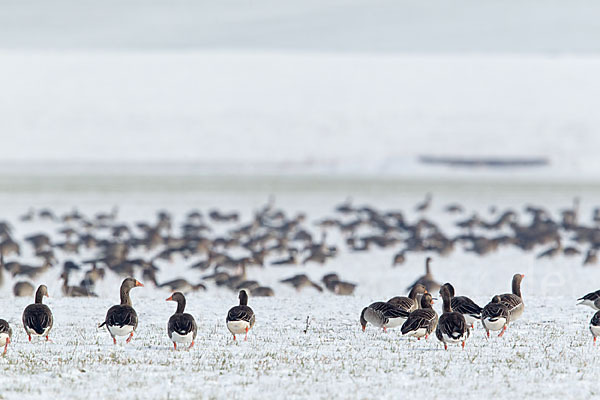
421,322
423,206
6,335
23,289
495,316
594,327
383,315
74,291
452,326
464,305
240,319
399,258
37,317
182,326
427,280
411,302
121,319
591,257
301,281
262,291
591,300
514,300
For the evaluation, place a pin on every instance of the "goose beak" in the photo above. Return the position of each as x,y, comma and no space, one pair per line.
522,275
138,283
47,295
170,298
363,328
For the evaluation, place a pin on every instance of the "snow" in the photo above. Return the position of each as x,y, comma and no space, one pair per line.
540,356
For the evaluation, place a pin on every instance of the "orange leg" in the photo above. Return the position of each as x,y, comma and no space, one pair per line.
129,338
488,334
29,337
463,344
174,346
191,345
47,338
114,340
385,329
234,338
594,341
246,337
6,346
503,330
472,326
418,338
445,346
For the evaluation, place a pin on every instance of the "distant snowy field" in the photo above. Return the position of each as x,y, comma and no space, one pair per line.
541,356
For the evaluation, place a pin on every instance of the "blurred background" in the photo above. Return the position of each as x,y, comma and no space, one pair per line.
183,104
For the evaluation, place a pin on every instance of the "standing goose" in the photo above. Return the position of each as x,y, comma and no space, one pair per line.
495,316
240,319
452,327
514,300
464,305
427,280
591,300
182,326
383,315
421,322
5,335
594,326
122,320
37,317
411,302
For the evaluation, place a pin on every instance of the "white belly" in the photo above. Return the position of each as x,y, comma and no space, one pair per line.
177,338
3,338
470,320
588,303
450,339
120,331
34,333
421,332
395,322
493,325
238,327
594,329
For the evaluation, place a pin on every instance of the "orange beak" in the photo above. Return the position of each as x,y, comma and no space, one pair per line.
138,283
47,295
522,275
363,328
170,299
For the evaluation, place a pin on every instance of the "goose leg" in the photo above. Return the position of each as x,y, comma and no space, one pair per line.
29,337
191,345
129,338
6,346
246,337
594,340
463,344
503,330
174,346
385,329
114,340
488,334
445,346
234,338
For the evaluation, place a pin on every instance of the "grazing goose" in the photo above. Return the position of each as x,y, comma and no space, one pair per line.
301,281
590,300
383,315
240,319
514,300
464,305
334,284
182,326
495,316
122,320
427,280
23,289
421,322
74,291
411,302
451,327
37,317
594,326
262,291
6,335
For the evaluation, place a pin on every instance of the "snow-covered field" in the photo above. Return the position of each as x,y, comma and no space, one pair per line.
548,353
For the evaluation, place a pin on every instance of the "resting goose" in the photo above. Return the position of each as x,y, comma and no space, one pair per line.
5,335
383,315
182,326
591,300
411,302
495,316
122,320
240,319
451,327
594,326
37,317
514,300
427,280
464,305
421,322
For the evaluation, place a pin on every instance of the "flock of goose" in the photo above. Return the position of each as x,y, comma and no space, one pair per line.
224,246
417,318
122,320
